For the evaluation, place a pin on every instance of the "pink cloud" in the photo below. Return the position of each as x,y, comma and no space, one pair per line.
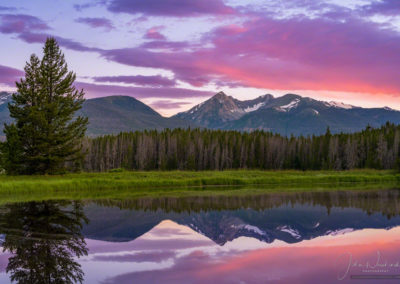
308,264
299,54
154,33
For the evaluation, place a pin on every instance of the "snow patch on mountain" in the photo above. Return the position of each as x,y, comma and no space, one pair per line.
293,232
196,108
388,108
340,232
254,107
5,98
254,229
338,105
250,228
293,104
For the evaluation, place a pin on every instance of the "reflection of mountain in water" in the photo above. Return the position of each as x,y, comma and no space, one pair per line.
287,217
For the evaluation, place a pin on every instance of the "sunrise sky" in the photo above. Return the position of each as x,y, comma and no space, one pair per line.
172,54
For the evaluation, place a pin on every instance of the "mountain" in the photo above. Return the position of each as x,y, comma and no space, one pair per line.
111,115
289,114
291,222
221,109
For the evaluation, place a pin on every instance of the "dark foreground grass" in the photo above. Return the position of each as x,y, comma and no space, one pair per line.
127,184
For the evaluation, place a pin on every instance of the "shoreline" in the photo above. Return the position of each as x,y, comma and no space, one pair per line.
128,184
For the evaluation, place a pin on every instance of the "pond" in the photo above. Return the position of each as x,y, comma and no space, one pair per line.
318,237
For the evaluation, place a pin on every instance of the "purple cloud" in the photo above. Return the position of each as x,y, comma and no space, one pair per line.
173,8
32,30
98,90
3,8
93,3
384,7
187,66
170,45
64,42
154,81
96,23
154,33
8,75
299,54
21,23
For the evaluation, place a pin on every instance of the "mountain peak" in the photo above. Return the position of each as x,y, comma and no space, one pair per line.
220,96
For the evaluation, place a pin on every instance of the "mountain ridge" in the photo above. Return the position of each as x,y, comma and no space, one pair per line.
286,115
290,114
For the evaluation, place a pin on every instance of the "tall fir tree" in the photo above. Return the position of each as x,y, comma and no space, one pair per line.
45,137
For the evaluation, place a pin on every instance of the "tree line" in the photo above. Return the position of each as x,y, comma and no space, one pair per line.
204,149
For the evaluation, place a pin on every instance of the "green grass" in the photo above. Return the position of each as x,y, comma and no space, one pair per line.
130,184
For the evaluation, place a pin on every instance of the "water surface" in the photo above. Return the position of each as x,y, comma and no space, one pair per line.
318,237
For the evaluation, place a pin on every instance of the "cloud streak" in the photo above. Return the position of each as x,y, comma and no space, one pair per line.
96,23
153,81
172,8
8,75
102,90
21,23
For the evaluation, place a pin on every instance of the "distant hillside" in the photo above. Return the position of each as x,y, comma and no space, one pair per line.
289,114
114,114
111,115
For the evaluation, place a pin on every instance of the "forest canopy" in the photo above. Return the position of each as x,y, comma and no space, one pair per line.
202,149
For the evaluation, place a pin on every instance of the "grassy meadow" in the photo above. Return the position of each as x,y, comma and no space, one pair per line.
131,184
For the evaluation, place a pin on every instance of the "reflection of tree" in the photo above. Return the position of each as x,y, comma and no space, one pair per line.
44,238
386,202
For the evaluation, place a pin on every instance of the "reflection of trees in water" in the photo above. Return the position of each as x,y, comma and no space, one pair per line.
44,238
386,202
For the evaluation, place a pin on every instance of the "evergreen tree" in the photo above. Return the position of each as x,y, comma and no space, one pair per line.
45,137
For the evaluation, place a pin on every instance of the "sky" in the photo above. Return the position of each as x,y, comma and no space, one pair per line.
173,54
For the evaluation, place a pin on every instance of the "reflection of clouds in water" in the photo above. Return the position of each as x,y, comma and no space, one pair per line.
155,256
3,260
261,262
143,244
185,256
